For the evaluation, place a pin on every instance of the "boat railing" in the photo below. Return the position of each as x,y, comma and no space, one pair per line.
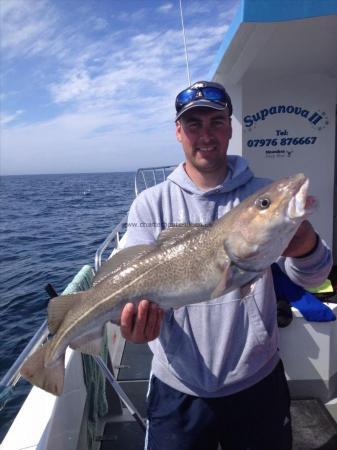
150,176
12,376
144,178
114,238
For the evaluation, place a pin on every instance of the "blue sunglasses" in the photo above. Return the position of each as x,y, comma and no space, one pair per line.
212,94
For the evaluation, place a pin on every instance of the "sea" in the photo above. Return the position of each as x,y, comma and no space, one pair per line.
50,226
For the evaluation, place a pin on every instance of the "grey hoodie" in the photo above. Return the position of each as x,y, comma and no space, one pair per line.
221,346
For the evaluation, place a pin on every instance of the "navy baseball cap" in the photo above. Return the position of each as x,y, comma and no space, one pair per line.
207,94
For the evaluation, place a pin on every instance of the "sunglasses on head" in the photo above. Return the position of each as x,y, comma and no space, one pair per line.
213,94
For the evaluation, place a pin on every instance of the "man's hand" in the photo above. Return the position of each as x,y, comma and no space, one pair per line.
141,326
303,242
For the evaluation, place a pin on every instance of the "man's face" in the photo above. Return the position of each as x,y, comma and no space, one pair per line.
205,134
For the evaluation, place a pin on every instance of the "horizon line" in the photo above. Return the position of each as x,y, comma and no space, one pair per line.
63,173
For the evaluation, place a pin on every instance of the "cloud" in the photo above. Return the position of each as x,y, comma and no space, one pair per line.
134,16
8,118
99,24
147,63
26,26
210,9
76,84
69,144
165,8
108,89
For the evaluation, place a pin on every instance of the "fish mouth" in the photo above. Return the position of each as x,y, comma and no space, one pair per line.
301,204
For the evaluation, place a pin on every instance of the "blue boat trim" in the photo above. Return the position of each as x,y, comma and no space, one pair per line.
260,11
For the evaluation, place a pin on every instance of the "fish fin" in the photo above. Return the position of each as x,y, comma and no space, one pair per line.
89,343
51,379
58,307
171,235
92,347
121,259
222,286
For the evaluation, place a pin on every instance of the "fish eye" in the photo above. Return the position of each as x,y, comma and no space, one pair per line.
262,202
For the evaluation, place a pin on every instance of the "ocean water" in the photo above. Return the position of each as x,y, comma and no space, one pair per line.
50,226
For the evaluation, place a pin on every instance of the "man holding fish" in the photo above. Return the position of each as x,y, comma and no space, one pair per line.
216,373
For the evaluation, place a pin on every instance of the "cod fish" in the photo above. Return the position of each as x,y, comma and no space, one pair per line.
187,264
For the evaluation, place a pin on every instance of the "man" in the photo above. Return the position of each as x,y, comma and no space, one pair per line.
216,372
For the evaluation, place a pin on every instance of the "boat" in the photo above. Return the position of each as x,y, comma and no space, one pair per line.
106,409
288,56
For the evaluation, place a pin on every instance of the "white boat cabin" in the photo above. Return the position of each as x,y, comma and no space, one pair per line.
279,64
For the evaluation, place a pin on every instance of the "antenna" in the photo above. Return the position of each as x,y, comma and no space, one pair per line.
186,54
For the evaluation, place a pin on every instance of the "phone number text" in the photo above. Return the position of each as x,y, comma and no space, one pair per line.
281,141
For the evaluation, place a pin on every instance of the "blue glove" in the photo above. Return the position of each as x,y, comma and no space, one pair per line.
310,307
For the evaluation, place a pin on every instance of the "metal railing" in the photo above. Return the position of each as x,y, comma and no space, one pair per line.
12,376
114,237
151,176
144,178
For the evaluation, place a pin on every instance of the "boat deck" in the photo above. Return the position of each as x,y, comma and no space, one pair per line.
313,426
121,432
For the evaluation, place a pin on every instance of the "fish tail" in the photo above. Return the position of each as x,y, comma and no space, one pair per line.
51,379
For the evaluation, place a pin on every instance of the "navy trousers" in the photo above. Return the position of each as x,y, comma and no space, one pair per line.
257,418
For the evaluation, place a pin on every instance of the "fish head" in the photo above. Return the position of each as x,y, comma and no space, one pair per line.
262,226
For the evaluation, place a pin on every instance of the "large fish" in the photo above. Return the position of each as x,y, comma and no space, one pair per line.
186,265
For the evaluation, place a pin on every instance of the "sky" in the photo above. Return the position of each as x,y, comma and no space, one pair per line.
89,85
